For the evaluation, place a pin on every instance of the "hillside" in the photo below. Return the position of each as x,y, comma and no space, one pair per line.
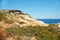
16,25
17,18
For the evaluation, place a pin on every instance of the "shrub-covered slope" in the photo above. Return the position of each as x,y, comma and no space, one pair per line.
15,25
17,18
51,32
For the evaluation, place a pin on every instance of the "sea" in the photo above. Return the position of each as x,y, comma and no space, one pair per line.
50,21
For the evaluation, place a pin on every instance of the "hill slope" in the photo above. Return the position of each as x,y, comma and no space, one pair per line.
17,18
15,25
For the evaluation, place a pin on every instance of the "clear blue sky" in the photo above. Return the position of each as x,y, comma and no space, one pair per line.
36,8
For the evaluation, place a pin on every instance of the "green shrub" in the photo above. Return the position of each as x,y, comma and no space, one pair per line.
2,16
21,22
41,33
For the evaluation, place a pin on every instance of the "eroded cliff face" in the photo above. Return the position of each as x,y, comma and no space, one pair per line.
15,18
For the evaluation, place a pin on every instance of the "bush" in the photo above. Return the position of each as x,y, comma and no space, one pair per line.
21,22
41,33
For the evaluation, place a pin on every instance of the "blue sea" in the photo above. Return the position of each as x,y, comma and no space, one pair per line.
50,21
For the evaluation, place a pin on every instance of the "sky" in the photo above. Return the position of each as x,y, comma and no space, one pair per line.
39,9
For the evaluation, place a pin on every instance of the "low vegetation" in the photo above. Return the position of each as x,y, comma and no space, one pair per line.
41,33
51,32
